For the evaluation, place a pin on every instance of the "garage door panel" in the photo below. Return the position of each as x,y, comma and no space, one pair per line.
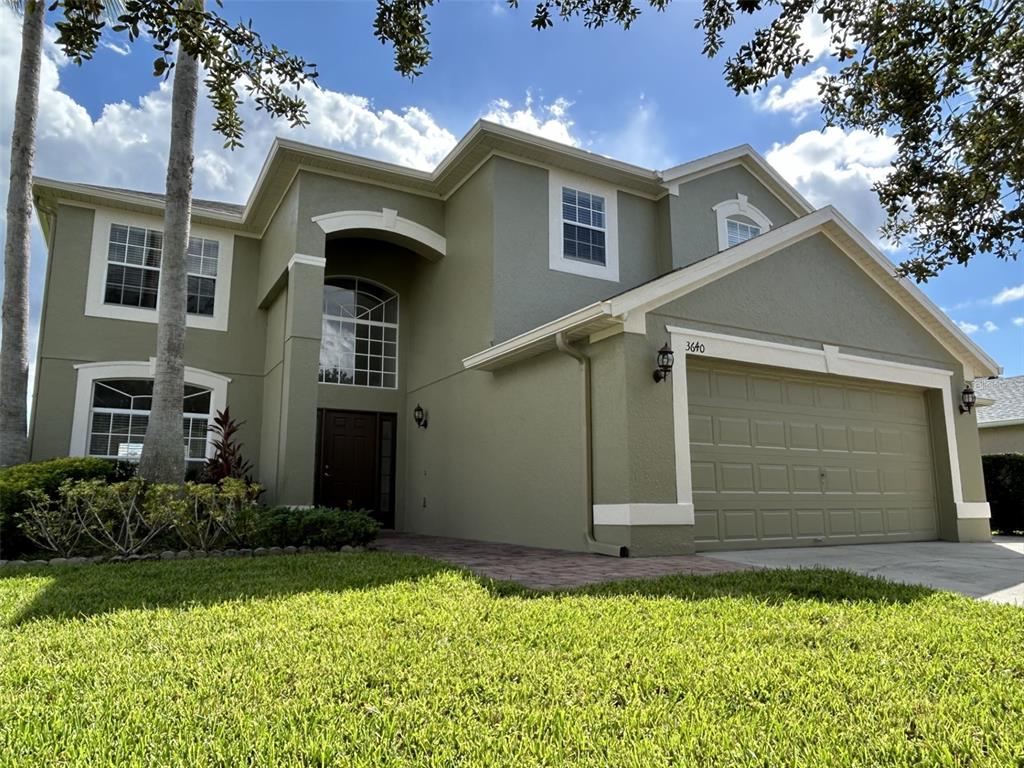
842,522
833,437
897,520
862,439
810,523
740,525
807,479
736,478
764,390
838,480
733,431
769,434
783,459
871,522
803,436
799,393
922,519
773,478
866,480
730,386
776,524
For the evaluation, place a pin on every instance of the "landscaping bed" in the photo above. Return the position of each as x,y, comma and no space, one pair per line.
378,659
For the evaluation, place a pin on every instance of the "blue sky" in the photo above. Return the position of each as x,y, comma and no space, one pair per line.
645,95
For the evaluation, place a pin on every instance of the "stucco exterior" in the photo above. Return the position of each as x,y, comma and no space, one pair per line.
1008,439
544,424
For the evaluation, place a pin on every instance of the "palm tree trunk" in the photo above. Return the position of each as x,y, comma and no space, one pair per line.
163,452
14,346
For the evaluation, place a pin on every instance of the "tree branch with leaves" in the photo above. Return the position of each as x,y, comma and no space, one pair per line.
944,78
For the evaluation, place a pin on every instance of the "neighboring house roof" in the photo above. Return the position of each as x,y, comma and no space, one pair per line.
1007,401
483,141
625,308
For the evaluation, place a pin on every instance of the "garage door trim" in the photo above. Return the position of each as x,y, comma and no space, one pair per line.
825,360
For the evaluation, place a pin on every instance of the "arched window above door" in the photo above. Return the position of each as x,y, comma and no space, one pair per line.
359,345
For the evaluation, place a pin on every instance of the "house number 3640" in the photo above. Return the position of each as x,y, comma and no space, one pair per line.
695,347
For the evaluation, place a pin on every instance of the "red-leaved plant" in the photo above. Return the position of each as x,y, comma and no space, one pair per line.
227,460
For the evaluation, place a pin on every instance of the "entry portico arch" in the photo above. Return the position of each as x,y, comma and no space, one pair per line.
386,225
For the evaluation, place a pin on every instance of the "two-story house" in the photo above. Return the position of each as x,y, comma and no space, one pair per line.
471,352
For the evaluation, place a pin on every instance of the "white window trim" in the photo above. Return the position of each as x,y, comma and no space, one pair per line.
96,287
88,373
828,359
556,261
740,206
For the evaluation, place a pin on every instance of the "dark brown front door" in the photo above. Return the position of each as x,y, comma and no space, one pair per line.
356,459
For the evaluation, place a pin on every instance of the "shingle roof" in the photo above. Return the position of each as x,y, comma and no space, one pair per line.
211,205
1008,395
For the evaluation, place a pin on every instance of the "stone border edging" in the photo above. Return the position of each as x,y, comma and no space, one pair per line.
184,554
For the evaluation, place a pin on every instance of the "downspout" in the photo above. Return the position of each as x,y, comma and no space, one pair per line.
593,545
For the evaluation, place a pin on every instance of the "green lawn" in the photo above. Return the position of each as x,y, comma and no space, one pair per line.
379,659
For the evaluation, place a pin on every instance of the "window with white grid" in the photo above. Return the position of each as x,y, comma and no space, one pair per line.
738,231
120,414
133,269
583,226
359,345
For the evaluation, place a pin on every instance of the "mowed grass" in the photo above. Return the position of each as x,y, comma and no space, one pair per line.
379,659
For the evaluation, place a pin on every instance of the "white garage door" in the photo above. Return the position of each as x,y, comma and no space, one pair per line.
783,459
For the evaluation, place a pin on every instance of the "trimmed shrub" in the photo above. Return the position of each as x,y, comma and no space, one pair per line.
1004,488
313,527
206,513
44,477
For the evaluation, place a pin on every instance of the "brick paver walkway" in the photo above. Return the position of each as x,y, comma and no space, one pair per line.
548,568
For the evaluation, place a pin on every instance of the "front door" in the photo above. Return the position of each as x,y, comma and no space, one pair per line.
356,459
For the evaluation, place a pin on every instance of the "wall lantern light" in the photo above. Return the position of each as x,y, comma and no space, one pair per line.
665,360
967,399
419,416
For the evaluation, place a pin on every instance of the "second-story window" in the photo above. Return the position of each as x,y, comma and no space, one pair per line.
738,231
584,226
133,269
359,345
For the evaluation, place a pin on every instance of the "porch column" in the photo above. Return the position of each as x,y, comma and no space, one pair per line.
301,359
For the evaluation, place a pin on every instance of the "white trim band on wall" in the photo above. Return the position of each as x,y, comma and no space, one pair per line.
966,510
312,261
643,514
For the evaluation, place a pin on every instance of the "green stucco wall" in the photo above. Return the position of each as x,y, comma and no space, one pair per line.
69,337
694,225
527,292
1008,439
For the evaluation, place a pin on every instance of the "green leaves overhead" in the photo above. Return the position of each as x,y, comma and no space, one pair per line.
234,56
942,77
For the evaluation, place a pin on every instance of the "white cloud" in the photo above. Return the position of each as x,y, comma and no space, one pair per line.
815,35
799,97
1009,294
967,328
989,326
1018,321
641,141
551,121
839,167
126,145
121,49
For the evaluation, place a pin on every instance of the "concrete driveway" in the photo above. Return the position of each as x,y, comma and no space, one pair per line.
993,572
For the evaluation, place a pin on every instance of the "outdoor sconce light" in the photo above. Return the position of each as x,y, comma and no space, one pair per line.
665,360
419,416
967,399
